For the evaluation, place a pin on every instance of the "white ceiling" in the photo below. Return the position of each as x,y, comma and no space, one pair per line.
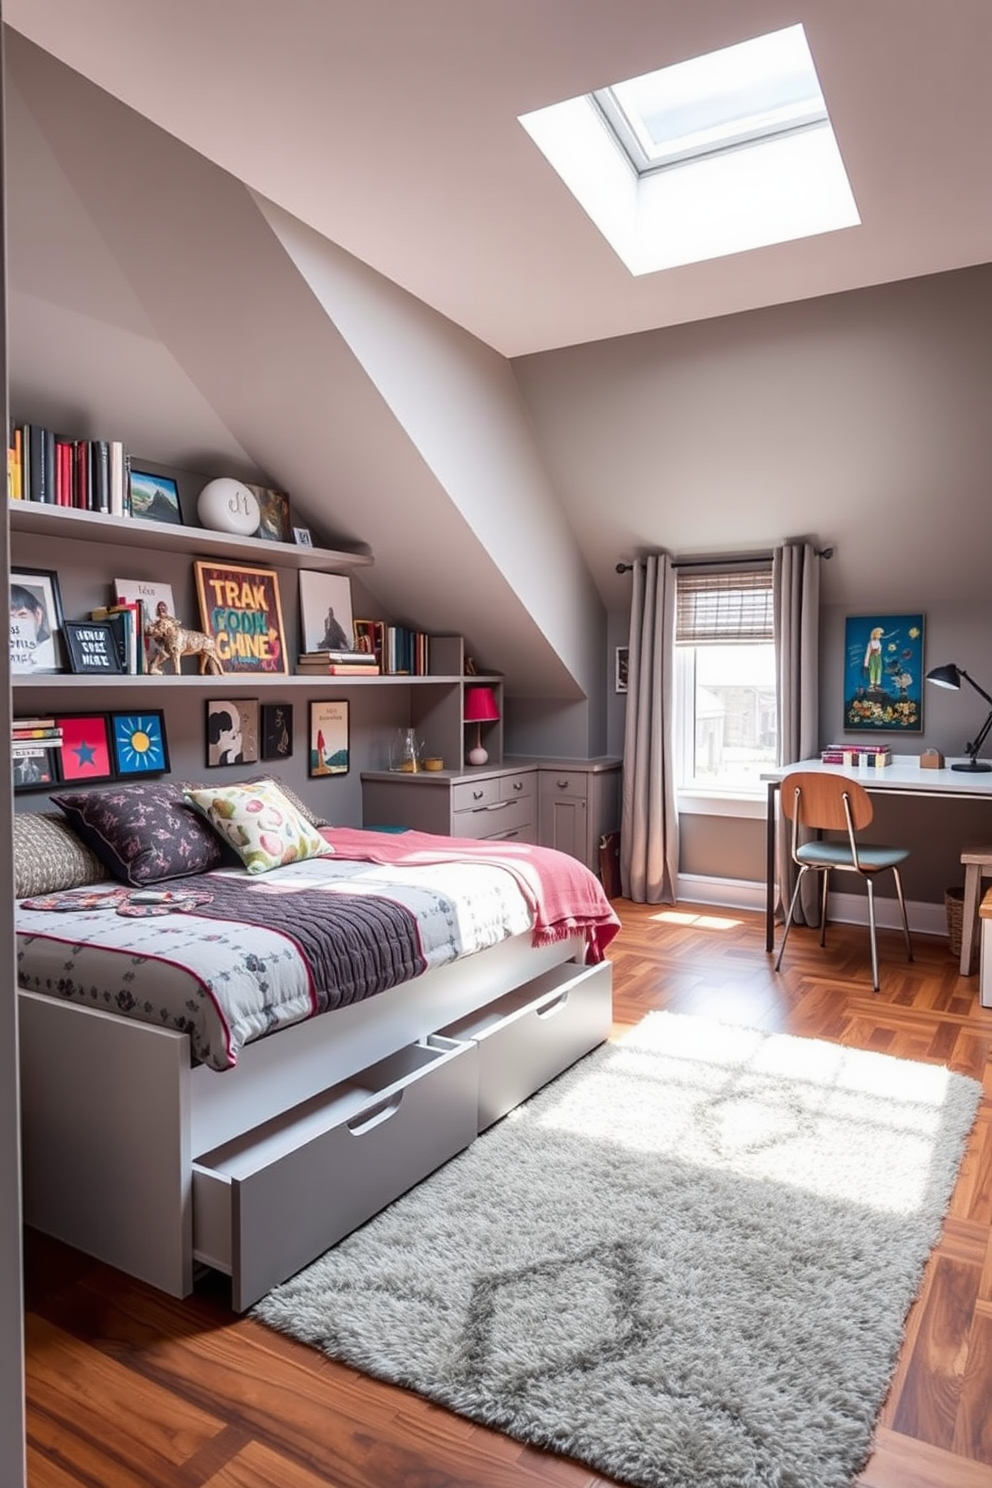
390,126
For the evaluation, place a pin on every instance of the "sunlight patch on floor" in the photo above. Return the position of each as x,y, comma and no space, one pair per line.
693,917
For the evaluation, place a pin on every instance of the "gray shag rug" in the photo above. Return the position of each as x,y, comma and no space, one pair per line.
687,1262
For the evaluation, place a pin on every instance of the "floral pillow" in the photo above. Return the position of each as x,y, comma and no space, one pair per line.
260,823
143,833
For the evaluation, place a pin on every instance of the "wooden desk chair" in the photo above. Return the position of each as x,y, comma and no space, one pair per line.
828,802
977,862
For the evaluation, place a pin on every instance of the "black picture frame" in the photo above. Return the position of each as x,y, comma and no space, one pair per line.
329,742
231,731
37,644
277,731
139,743
92,648
35,766
155,498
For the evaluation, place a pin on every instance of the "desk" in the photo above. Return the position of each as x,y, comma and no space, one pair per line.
903,777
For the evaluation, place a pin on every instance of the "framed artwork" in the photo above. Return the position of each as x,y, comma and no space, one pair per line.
36,639
232,731
139,741
155,497
34,765
277,731
240,609
883,674
302,538
370,637
149,593
326,619
273,514
328,739
85,747
620,669
92,647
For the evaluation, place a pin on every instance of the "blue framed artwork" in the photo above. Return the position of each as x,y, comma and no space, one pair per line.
139,741
883,674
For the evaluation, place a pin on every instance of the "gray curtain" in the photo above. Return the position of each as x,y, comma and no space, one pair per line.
649,823
796,599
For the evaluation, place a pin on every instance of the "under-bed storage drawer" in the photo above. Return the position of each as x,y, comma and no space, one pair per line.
533,1033
268,1203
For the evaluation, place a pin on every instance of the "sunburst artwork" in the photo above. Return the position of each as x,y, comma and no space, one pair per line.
139,743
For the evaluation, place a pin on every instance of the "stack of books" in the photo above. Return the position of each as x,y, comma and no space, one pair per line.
127,620
85,474
875,755
31,740
337,664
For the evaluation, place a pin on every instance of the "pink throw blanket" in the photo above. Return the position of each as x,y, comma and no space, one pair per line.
565,898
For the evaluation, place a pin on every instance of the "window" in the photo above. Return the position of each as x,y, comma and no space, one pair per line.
726,700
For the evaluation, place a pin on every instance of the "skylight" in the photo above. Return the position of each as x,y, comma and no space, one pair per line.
712,156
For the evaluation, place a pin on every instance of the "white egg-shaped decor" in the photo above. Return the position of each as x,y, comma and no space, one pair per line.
227,505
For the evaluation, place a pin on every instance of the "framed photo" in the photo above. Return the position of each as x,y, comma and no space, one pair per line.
139,742
149,593
277,731
328,739
232,731
620,669
34,764
85,747
92,647
883,674
302,538
36,640
370,637
241,611
273,514
325,612
155,497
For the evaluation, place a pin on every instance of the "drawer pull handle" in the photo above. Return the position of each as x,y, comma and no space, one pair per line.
518,785
374,1116
497,806
477,795
503,836
557,1006
562,784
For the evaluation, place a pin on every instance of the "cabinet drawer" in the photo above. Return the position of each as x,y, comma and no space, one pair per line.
517,787
472,795
557,783
533,1033
330,1163
499,819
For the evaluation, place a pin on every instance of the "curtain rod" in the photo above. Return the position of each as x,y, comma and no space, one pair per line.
724,562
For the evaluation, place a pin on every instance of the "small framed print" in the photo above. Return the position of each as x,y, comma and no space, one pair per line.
139,742
277,731
302,538
232,731
36,640
85,747
155,497
274,521
620,673
34,765
91,647
328,739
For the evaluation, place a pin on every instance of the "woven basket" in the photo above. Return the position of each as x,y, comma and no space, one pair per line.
954,903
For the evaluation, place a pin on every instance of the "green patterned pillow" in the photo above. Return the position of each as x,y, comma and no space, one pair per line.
263,827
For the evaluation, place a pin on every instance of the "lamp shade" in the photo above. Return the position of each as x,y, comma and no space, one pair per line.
945,676
480,705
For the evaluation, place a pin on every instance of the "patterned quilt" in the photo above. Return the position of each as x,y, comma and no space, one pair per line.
227,957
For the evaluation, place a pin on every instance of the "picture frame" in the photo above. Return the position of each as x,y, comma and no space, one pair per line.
620,668
155,498
326,619
231,731
140,746
329,749
91,647
85,756
36,640
240,610
370,637
302,538
277,731
883,674
34,765
274,521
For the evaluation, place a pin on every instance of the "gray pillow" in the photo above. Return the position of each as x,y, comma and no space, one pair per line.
49,858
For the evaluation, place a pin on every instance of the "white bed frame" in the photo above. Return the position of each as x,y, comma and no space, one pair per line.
114,1117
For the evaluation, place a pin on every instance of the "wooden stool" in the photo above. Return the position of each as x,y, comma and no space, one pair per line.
977,860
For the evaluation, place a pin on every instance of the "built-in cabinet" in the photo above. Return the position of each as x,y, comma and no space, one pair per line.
567,805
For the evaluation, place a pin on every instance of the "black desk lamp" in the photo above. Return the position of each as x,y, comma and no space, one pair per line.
950,676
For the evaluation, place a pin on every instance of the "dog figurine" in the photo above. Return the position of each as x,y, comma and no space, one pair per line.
173,641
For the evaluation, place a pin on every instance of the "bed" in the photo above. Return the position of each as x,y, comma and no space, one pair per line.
234,1066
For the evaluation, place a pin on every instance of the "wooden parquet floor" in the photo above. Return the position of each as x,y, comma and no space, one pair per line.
127,1388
